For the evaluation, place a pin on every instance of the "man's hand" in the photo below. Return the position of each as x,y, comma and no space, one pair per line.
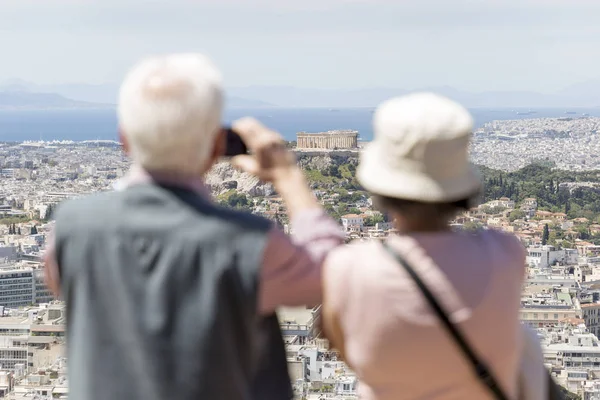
270,161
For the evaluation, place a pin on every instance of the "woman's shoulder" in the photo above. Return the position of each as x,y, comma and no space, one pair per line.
348,260
503,239
350,253
505,247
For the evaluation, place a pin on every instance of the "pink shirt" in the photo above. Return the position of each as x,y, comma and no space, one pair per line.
291,270
394,341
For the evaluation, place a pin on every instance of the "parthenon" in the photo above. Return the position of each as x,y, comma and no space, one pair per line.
331,140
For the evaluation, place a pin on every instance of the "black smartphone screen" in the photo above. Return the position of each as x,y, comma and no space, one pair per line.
235,145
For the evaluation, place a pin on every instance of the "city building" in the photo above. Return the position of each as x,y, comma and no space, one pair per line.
350,220
546,256
17,287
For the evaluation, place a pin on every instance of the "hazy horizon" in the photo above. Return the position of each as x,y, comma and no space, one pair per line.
542,46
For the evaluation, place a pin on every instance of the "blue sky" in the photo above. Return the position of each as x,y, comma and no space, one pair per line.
468,44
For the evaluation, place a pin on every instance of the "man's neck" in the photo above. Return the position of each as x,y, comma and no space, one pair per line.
137,175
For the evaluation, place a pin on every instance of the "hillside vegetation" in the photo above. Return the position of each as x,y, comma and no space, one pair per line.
575,193
331,176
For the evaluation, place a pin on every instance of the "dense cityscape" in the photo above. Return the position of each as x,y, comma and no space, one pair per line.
551,206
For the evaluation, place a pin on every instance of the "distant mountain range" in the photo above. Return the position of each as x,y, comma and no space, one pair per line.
18,93
36,101
580,95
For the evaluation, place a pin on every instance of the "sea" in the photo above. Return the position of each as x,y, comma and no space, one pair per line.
78,125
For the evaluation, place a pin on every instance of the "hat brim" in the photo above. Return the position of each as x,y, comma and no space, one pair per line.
378,178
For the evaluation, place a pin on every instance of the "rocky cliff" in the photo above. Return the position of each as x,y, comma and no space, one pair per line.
322,161
223,177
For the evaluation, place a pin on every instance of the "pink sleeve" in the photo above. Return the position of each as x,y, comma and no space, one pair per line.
336,279
291,273
51,270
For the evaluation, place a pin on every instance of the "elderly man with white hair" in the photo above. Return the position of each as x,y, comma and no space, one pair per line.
168,295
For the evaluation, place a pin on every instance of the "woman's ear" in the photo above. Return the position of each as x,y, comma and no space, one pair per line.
475,199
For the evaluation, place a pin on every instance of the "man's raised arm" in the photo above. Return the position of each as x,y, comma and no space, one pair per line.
291,273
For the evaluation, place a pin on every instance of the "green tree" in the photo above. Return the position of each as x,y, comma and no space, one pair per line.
471,226
34,230
516,214
19,230
545,235
373,220
234,199
583,231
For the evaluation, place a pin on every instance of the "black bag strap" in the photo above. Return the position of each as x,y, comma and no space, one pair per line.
480,369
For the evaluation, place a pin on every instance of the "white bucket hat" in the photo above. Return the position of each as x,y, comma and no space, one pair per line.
420,151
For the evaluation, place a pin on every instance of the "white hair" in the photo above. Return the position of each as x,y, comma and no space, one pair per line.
170,112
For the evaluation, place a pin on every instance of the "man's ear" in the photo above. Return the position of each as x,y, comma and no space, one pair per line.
217,151
124,142
220,144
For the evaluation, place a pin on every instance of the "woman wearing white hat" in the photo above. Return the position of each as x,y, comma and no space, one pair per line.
376,305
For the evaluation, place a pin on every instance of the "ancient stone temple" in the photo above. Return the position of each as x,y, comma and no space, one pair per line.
331,140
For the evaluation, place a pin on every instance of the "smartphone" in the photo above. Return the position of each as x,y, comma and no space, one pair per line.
235,145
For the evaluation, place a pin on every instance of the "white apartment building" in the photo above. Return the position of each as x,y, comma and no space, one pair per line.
546,256
530,203
539,316
591,315
7,172
346,386
352,219
13,352
502,202
548,309
57,197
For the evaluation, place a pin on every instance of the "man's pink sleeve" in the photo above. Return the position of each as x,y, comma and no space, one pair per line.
291,272
51,270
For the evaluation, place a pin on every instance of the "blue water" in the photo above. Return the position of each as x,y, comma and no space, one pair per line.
102,124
